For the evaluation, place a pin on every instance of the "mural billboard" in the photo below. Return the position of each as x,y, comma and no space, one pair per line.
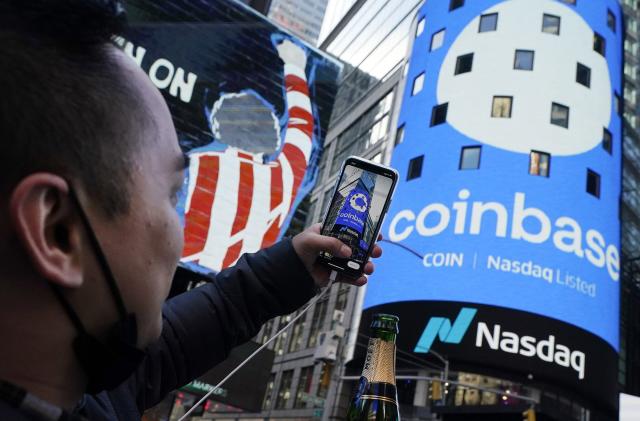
251,104
504,232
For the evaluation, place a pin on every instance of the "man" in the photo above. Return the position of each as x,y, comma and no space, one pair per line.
89,237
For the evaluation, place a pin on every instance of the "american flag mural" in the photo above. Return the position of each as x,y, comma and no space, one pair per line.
236,202
251,104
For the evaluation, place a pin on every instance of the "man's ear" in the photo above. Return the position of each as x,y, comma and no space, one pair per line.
48,228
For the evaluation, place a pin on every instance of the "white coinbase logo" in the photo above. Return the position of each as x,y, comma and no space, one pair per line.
565,233
553,79
359,202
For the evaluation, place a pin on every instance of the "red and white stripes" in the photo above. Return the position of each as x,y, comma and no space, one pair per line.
236,203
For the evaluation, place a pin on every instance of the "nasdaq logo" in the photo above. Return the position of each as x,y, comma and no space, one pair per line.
442,328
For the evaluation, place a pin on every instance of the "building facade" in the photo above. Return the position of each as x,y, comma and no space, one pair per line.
629,366
371,39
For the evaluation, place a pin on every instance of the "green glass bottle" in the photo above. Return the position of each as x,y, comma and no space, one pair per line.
377,397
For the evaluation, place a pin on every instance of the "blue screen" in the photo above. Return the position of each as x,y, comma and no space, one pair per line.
516,204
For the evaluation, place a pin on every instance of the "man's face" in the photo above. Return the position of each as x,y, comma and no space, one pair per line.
144,245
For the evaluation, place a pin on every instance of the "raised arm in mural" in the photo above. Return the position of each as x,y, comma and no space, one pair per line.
237,200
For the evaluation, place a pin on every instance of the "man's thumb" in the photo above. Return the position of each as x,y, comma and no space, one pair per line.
331,245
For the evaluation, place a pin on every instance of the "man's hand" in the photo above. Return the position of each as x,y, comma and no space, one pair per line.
309,243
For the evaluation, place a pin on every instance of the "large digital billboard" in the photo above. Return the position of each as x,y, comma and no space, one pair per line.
509,193
251,104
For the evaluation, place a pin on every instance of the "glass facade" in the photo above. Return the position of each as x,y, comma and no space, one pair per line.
373,45
369,129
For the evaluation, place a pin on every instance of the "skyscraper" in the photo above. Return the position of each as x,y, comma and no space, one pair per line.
303,18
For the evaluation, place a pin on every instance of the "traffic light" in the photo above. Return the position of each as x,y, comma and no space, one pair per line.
529,415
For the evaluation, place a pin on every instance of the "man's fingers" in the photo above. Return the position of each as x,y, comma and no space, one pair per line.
368,268
329,244
316,227
360,281
376,252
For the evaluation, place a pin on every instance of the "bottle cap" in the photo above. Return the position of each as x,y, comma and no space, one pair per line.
388,322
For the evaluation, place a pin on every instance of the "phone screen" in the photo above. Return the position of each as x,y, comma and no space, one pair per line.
355,212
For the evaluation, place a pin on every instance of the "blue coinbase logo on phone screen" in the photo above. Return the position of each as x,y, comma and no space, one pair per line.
355,210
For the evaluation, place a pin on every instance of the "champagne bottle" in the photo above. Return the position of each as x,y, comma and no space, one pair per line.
377,397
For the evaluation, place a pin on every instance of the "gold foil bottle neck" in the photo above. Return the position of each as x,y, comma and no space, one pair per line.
380,363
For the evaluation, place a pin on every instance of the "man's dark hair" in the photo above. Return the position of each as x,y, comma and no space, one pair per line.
65,106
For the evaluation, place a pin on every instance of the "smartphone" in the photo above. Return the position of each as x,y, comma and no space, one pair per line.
360,200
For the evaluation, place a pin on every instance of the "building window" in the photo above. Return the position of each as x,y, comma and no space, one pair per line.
617,103
593,183
629,94
464,63
326,201
266,331
583,75
284,391
599,43
418,83
523,60
607,140
551,24
319,313
560,115
295,343
611,20
311,213
325,380
282,339
437,40
415,167
399,135
470,158
343,295
266,403
304,387
420,28
377,158
501,107
439,114
488,22
539,163
454,4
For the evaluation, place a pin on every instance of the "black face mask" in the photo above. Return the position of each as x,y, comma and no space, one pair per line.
106,363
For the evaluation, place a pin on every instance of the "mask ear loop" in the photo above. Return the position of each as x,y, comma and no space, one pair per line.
332,279
102,260
68,309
